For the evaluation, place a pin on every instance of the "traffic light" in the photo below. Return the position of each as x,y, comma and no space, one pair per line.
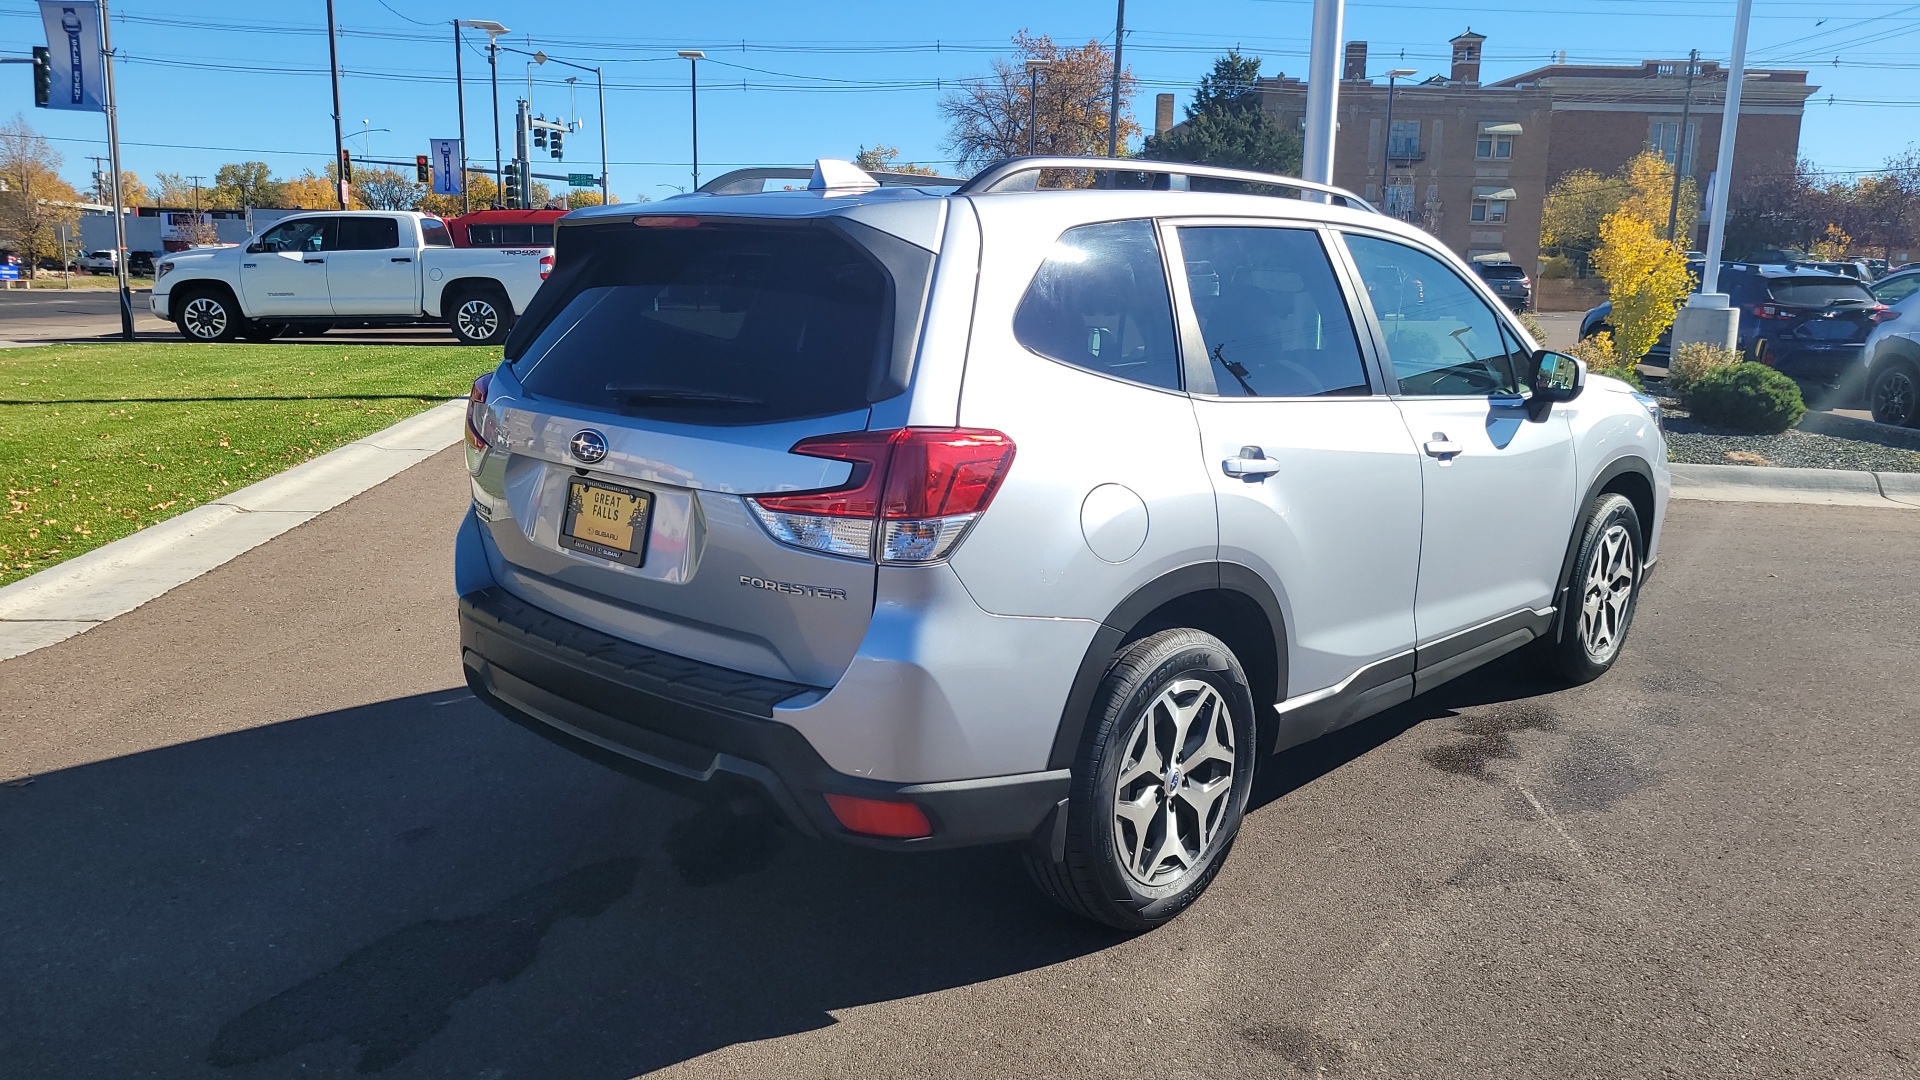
346,166
540,135
510,198
42,76
553,141
422,169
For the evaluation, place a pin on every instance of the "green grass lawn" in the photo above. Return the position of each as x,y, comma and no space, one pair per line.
99,441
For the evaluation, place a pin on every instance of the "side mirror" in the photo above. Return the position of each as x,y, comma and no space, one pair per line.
256,248
1556,377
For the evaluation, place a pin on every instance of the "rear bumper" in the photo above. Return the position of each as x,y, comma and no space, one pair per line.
707,731
1813,361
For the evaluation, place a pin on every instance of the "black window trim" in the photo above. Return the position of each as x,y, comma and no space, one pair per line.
1182,368
1508,326
1192,343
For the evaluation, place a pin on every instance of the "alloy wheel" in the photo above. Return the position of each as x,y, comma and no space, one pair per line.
205,318
1894,397
1172,792
478,320
1608,593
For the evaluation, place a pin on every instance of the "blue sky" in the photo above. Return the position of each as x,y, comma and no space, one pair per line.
217,81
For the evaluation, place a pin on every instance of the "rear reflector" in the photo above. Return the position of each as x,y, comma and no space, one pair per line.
877,817
924,487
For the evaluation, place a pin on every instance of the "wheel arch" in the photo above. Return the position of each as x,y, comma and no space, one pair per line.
182,291
459,287
1229,601
1893,350
1629,476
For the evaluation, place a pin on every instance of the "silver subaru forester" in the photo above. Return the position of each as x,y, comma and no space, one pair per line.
1032,509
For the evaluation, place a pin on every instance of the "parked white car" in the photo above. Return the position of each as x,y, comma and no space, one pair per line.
369,268
99,262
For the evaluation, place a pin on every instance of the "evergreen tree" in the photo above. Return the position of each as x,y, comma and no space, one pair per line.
1226,126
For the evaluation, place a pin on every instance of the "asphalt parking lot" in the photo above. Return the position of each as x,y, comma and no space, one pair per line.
257,828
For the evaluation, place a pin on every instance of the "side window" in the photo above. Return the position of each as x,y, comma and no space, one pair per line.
367,234
1892,292
1271,313
434,233
1442,339
1100,302
303,234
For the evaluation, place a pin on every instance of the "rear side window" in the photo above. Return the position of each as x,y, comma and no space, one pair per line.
434,233
512,234
1271,313
714,324
367,234
1816,292
1100,302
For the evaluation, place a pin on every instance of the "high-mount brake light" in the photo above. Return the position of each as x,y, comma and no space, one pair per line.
479,417
910,498
662,221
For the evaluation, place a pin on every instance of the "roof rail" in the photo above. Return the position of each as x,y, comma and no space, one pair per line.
1013,175
750,181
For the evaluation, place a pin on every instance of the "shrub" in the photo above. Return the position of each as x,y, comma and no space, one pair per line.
1601,359
1693,360
1746,397
1556,268
1533,328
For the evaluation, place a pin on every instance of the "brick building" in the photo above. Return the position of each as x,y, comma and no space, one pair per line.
1472,162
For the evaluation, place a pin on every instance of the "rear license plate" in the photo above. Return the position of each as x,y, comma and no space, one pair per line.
607,521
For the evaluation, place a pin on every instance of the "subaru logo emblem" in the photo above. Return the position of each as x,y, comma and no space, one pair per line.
589,446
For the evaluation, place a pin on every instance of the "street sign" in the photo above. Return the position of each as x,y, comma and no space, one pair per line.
9,272
580,179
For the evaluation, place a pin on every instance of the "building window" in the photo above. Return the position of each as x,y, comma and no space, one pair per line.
1664,137
1489,211
1495,147
1400,201
1404,140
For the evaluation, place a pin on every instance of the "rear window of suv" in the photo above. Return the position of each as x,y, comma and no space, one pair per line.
1816,292
715,323
1508,272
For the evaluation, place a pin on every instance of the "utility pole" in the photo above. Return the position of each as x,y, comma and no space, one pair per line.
196,192
693,58
1033,103
1680,147
99,178
606,192
113,156
1113,109
339,141
1323,93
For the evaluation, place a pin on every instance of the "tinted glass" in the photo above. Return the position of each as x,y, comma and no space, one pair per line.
1898,289
718,324
1271,313
1100,302
301,234
1816,292
542,233
1501,272
511,234
1441,338
434,233
367,234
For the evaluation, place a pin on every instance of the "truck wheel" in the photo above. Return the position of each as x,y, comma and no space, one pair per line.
208,316
1159,786
480,316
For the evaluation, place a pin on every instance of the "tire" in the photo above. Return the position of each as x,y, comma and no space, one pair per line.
1894,394
263,332
480,316
1137,869
1602,595
209,316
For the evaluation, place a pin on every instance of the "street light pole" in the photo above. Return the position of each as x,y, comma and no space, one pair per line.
493,30
693,58
1709,315
1680,148
1386,147
1323,92
1113,108
113,162
606,191
493,74
460,103
339,141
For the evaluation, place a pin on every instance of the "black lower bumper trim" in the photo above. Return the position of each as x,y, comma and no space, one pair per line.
705,731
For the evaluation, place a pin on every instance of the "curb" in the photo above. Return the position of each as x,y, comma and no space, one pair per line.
1847,427
1823,487
81,593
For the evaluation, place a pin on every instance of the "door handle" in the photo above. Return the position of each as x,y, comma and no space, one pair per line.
1252,465
1442,447
400,260
315,262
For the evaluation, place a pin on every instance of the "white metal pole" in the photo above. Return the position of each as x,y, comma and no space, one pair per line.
1323,91
1723,166
113,162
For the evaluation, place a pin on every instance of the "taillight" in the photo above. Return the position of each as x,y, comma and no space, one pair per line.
546,266
911,496
479,417
1883,313
1770,311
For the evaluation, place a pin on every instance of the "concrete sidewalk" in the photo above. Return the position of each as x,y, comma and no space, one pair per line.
84,592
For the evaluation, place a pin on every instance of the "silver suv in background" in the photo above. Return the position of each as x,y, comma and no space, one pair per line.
1037,509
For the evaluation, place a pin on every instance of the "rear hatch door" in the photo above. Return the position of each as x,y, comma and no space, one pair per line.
663,375
1824,312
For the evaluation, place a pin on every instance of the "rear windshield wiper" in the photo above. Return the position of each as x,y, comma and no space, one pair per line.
676,395
1848,300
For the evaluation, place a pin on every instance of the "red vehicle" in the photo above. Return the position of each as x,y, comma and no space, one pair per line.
504,228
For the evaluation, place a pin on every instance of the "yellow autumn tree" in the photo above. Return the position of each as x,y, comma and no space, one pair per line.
1646,280
1644,187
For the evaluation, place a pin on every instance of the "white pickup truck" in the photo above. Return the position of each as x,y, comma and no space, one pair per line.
309,273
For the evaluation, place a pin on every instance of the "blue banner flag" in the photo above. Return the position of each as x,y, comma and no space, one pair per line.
73,46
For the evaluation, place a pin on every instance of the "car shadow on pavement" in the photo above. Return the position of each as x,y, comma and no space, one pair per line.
418,887
1514,677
